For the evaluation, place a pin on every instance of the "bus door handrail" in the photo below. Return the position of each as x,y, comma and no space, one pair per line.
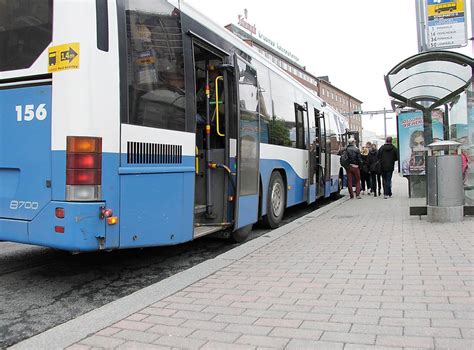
220,77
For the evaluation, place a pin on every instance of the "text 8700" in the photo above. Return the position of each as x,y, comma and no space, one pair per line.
16,205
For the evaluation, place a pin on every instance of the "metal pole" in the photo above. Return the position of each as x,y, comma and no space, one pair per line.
427,126
420,25
385,122
208,145
446,122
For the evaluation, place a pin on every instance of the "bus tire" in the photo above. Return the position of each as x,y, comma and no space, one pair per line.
240,235
276,200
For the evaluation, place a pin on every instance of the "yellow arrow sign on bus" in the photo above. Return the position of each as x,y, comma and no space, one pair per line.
63,57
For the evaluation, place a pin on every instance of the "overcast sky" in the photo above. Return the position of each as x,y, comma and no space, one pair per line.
353,42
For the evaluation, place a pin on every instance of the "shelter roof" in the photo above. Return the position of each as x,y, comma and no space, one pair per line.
429,79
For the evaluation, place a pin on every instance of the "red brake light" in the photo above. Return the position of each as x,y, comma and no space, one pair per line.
59,229
83,177
84,161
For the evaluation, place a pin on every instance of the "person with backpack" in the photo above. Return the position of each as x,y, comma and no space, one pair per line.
387,155
351,161
375,169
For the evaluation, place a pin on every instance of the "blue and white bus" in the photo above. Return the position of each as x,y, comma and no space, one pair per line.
135,123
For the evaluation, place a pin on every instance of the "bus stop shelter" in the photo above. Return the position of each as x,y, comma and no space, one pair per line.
433,80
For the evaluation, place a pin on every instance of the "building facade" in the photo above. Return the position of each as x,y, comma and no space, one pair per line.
290,63
342,102
278,55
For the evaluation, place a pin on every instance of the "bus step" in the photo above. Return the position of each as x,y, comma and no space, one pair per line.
200,231
199,209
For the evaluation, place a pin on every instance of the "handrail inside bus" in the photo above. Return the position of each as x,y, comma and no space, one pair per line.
217,105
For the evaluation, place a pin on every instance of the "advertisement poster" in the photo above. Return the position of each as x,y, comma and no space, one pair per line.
411,140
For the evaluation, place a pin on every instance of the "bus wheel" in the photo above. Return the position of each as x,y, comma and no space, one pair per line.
241,235
276,199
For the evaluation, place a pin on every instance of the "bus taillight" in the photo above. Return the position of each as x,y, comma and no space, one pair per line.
83,177
83,168
84,161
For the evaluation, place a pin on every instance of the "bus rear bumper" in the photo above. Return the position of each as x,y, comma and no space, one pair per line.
14,230
81,229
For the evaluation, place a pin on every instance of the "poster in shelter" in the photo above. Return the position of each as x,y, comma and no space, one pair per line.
411,140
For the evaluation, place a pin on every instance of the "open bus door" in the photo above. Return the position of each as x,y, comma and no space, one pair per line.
312,160
319,152
326,157
248,145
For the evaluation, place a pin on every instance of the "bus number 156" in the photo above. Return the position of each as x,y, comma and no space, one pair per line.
28,113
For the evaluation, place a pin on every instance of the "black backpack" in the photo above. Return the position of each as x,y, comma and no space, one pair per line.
344,160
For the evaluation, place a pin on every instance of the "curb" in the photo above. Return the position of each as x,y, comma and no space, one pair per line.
72,331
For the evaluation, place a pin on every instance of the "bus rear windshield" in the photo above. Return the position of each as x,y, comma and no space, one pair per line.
25,32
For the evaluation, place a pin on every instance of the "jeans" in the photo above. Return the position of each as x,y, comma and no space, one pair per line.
387,183
365,180
353,172
373,182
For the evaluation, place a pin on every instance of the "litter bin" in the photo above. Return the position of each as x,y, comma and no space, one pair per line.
445,194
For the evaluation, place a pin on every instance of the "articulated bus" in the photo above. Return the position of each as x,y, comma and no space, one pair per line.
135,123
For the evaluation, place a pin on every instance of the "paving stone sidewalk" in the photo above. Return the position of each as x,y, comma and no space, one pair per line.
362,276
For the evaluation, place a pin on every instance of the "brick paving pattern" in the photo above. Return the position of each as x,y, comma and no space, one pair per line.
362,276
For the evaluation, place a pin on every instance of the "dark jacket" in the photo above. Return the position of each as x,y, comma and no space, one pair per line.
364,167
354,155
373,160
388,155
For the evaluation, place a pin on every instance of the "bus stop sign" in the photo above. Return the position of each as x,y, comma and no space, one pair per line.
445,24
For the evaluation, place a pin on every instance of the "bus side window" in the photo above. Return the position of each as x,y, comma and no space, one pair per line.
300,134
102,20
282,125
156,70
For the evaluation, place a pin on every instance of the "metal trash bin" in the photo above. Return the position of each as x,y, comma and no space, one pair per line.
445,196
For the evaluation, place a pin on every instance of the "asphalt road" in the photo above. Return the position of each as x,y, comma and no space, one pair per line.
41,287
